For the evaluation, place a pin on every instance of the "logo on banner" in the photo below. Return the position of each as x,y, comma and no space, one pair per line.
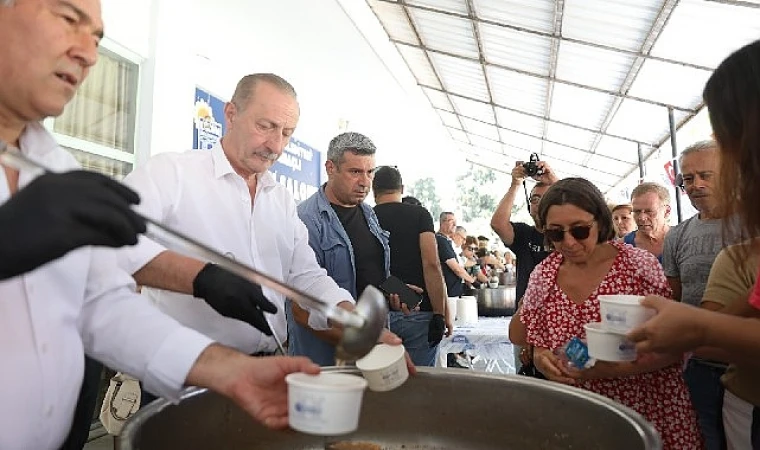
208,120
298,169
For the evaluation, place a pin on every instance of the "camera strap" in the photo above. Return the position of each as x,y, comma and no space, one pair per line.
527,196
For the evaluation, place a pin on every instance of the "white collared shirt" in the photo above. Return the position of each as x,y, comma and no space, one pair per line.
198,193
81,301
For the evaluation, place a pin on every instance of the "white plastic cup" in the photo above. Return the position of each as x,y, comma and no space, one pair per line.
451,308
384,367
327,404
467,311
607,345
623,313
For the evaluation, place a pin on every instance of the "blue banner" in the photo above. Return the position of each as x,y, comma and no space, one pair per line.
208,121
298,168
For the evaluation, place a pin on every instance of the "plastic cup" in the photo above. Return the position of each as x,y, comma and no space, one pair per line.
327,404
384,367
622,313
606,345
451,308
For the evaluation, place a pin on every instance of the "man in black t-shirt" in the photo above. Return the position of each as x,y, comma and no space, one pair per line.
524,240
414,259
453,271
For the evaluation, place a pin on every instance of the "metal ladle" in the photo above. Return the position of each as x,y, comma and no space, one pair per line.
361,327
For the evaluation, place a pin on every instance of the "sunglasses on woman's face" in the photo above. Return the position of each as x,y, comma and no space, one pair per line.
578,232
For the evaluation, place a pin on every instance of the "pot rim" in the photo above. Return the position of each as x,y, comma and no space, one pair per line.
650,437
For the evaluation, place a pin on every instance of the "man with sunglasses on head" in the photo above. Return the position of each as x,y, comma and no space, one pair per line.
524,240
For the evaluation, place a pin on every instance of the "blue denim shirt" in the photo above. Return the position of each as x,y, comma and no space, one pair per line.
334,253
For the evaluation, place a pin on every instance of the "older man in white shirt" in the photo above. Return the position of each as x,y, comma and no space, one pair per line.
61,298
227,198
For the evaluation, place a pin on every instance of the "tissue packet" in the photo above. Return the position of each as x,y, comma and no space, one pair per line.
576,352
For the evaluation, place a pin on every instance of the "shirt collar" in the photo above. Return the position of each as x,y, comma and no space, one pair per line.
222,165
222,168
36,141
323,203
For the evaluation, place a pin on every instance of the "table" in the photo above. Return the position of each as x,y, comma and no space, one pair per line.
485,344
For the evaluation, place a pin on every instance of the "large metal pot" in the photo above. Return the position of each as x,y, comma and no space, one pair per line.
437,409
498,301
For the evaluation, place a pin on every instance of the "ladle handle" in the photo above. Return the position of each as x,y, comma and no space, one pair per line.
156,230
162,233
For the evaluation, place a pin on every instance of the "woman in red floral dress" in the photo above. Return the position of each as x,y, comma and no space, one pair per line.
562,296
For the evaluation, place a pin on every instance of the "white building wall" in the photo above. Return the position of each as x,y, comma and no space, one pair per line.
313,44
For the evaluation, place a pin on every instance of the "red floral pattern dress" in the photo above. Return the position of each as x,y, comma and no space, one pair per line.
552,319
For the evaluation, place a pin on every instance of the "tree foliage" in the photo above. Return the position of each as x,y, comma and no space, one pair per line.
476,193
424,190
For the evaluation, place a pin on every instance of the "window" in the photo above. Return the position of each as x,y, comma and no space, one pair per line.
103,164
98,125
103,110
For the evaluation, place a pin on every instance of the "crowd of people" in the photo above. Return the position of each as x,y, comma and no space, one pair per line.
73,252
696,357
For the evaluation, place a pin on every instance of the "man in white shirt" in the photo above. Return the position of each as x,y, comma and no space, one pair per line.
59,297
229,200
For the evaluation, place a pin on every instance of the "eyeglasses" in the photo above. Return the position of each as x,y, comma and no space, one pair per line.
472,248
534,199
578,232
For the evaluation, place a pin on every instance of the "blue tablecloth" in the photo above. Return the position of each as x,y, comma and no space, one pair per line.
485,344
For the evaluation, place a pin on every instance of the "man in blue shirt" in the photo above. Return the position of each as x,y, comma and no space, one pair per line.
345,236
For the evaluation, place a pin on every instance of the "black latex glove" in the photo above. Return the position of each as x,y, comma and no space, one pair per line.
233,296
476,284
59,212
436,329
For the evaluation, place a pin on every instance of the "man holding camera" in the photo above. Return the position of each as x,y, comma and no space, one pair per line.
525,241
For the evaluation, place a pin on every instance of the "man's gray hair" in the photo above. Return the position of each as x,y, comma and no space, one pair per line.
356,143
247,85
7,2
645,188
701,146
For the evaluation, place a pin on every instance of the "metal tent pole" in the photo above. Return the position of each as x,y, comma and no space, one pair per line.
674,152
642,170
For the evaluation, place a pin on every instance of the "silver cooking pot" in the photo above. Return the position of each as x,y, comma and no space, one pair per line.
437,409
498,301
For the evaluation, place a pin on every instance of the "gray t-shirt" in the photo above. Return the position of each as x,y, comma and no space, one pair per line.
688,253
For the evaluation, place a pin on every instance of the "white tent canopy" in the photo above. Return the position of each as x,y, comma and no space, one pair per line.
583,83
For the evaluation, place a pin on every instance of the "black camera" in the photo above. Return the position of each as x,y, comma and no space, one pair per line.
531,167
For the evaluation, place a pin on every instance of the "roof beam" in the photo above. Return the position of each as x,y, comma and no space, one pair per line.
537,116
481,54
654,33
543,77
549,35
747,4
559,11
573,173
525,134
655,149
413,27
